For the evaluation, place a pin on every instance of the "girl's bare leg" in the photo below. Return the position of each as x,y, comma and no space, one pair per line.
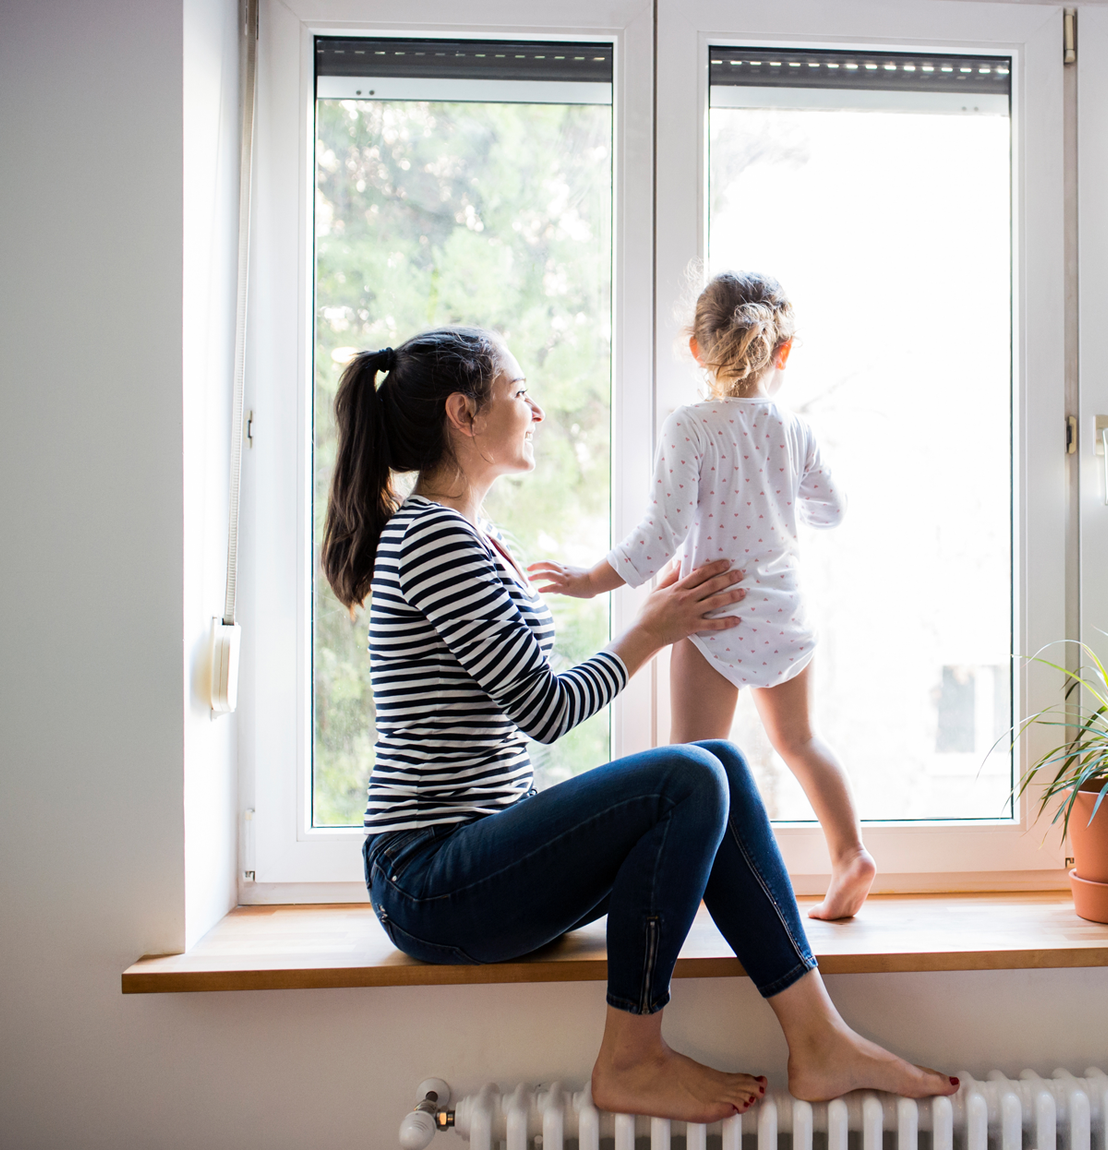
827,1058
637,1073
784,713
702,701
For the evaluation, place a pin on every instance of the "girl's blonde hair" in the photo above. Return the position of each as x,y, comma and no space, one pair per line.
740,321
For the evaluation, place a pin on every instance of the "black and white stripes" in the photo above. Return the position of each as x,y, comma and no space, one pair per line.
459,648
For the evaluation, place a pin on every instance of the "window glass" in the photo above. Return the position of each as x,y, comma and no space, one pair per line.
488,203
876,188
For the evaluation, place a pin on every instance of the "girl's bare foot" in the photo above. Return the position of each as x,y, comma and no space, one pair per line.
827,1058
851,879
636,1072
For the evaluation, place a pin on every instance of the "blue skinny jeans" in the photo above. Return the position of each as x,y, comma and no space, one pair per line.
642,840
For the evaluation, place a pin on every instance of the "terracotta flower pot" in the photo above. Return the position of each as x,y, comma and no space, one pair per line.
1089,877
1090,842
1090,899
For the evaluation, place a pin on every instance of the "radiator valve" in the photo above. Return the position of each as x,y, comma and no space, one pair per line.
430,1114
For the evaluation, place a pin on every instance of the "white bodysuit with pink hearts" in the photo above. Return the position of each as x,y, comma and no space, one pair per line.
732,478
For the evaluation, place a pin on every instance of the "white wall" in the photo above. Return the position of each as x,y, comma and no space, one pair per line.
116,250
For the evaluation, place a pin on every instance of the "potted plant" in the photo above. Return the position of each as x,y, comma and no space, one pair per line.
1080,781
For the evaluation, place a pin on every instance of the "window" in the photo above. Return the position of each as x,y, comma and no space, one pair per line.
896,169
467,181
1027,37
665,172
565,287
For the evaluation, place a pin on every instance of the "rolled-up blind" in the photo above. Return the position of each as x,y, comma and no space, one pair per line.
882,71
500,70
873,81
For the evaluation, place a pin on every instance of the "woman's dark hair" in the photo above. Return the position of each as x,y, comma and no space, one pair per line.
399,425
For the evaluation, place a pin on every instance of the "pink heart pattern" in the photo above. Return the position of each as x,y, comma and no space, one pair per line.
724,444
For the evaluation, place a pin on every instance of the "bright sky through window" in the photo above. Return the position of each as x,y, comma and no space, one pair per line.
890,229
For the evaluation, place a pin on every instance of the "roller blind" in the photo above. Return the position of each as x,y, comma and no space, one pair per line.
525,71
741,77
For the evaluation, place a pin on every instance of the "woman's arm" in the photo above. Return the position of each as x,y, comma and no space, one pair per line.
447,575
675,608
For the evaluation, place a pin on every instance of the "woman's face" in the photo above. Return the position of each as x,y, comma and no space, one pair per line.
505,424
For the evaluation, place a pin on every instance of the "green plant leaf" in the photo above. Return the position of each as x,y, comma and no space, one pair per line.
1084,756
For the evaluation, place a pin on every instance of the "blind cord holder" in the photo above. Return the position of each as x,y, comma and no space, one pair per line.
226,644
226,638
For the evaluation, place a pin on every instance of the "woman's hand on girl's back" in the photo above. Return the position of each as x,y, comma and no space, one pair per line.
678,608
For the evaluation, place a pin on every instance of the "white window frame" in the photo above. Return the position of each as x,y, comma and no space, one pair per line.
291,862
1092,254
916,856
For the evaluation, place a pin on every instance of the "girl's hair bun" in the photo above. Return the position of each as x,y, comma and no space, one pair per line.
740,320
755,316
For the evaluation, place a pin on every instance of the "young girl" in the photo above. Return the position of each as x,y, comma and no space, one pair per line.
733,476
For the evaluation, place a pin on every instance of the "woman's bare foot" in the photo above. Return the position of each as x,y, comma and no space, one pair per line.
846,1061
636,1072
851,879
827,1058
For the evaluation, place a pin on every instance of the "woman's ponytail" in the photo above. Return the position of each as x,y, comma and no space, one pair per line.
397,425
362,497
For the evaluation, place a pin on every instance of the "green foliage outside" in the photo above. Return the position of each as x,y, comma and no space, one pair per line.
491,214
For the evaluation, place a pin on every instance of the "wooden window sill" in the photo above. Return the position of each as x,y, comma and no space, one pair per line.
305,947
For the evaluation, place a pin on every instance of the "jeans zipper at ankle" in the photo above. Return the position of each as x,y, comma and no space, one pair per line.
649,962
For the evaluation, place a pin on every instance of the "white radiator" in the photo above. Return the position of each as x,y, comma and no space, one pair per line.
1062,1112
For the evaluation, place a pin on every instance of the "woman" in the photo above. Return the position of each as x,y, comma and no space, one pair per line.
465,862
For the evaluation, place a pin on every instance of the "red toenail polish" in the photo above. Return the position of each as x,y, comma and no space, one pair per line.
954,1082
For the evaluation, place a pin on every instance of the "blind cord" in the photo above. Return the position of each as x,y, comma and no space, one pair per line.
226,633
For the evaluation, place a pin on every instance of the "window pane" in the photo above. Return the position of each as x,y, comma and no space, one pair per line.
890,231
497,214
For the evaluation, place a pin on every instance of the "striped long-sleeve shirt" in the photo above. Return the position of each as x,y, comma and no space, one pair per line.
458,647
